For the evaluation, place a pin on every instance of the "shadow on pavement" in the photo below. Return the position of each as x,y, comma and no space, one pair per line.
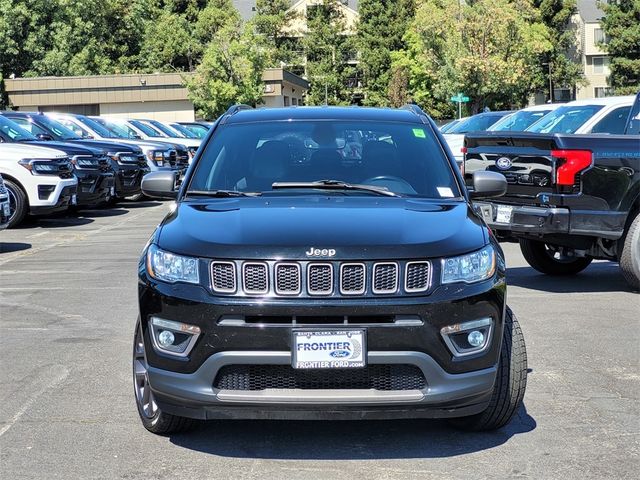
344,440
100,212
142,204
597,277
59,221
13,247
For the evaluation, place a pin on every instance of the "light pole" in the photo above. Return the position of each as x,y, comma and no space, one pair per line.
550,82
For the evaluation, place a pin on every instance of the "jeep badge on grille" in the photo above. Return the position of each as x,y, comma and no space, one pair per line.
318,252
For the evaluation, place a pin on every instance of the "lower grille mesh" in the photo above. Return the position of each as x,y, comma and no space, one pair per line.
376,377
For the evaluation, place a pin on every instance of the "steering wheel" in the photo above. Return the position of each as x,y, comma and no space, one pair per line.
394,184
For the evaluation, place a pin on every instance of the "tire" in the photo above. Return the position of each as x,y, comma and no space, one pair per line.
511,382
630,254
152,417
136,198
541,257
18,203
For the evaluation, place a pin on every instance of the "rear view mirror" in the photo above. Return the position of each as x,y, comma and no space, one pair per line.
44,136
488,184
160,185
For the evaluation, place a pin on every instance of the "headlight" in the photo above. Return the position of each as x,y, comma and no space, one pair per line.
469,268
157,156
171,268
43,167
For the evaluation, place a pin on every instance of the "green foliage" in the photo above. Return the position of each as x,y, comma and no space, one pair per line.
270,20
622,25
328,48
230,72
488,49
381,27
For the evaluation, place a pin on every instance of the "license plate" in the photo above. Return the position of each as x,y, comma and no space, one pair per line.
74,199
5,209
503,214
329,349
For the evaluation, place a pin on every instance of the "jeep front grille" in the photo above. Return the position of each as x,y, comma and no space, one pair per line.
321,278
376,377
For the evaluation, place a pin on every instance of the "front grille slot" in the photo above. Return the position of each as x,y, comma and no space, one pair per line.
255,278
417,277
287,278
312,319
385,278
352,279
223,277
320,279
371,377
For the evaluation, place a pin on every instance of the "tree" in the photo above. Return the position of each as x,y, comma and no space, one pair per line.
270,20
621,25
328,48
381,27
230,72
562,60
487,49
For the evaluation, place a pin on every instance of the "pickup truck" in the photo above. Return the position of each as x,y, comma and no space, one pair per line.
570,198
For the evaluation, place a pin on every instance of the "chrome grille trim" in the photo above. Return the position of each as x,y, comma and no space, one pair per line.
280,267
377,277
214,277
318,266
362,278
426,283
262,266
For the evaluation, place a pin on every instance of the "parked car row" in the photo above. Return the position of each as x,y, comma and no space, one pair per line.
53,161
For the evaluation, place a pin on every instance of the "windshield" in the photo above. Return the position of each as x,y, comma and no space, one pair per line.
200,131
519,121
147,129
164,129
403,158
119,129
183,131
448,126
477,123
96,127
13,131
565,119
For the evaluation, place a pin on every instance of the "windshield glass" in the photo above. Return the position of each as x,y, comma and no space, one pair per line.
164,129
519,121
59,131
200,131
147,129
401,157
183,131
448,126
477,123
119,129
565,119
13,131
96,127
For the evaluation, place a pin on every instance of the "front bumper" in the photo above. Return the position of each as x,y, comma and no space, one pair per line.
128,179
537,221
454,386
94,187
63,195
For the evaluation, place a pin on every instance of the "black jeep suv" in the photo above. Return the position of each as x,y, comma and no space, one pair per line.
325,263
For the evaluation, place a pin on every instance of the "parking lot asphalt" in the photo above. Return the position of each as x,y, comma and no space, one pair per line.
68,306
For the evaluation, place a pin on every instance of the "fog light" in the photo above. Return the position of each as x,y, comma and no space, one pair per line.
167,338
475,338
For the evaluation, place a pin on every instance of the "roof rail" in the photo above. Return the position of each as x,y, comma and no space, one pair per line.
412,107
233,109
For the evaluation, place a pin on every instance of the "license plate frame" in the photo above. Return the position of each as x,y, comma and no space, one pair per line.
344,348
503,213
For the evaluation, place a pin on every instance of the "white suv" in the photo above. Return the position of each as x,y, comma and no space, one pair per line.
38,180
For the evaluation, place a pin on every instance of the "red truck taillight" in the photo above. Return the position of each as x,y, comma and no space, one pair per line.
569,163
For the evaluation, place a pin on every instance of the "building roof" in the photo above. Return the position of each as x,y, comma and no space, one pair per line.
325,113
246,7
589,11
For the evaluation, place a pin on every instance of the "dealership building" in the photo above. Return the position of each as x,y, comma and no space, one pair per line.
159,96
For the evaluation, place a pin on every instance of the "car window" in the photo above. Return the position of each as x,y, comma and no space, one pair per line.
184,131
146,129
81,132
96,127
634,118
477,123
30,127
14,131
566,119
518,122
405,158
199,130
613,122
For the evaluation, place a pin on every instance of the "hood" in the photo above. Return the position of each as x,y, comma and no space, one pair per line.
108,146
186,142
69,148
149,144
19,151
286,227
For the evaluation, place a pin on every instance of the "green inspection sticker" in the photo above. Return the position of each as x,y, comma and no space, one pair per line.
418,132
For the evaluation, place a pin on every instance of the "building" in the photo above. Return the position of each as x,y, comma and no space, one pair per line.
594,59
247,8
160,96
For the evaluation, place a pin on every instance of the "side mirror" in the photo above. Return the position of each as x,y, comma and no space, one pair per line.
160,185
44,136
488,184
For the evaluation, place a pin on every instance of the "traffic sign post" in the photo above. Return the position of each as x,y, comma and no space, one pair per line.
460,98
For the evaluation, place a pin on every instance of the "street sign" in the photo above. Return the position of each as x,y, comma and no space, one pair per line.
460,98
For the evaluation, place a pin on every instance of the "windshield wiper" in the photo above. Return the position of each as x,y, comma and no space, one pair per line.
222,193
335,185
